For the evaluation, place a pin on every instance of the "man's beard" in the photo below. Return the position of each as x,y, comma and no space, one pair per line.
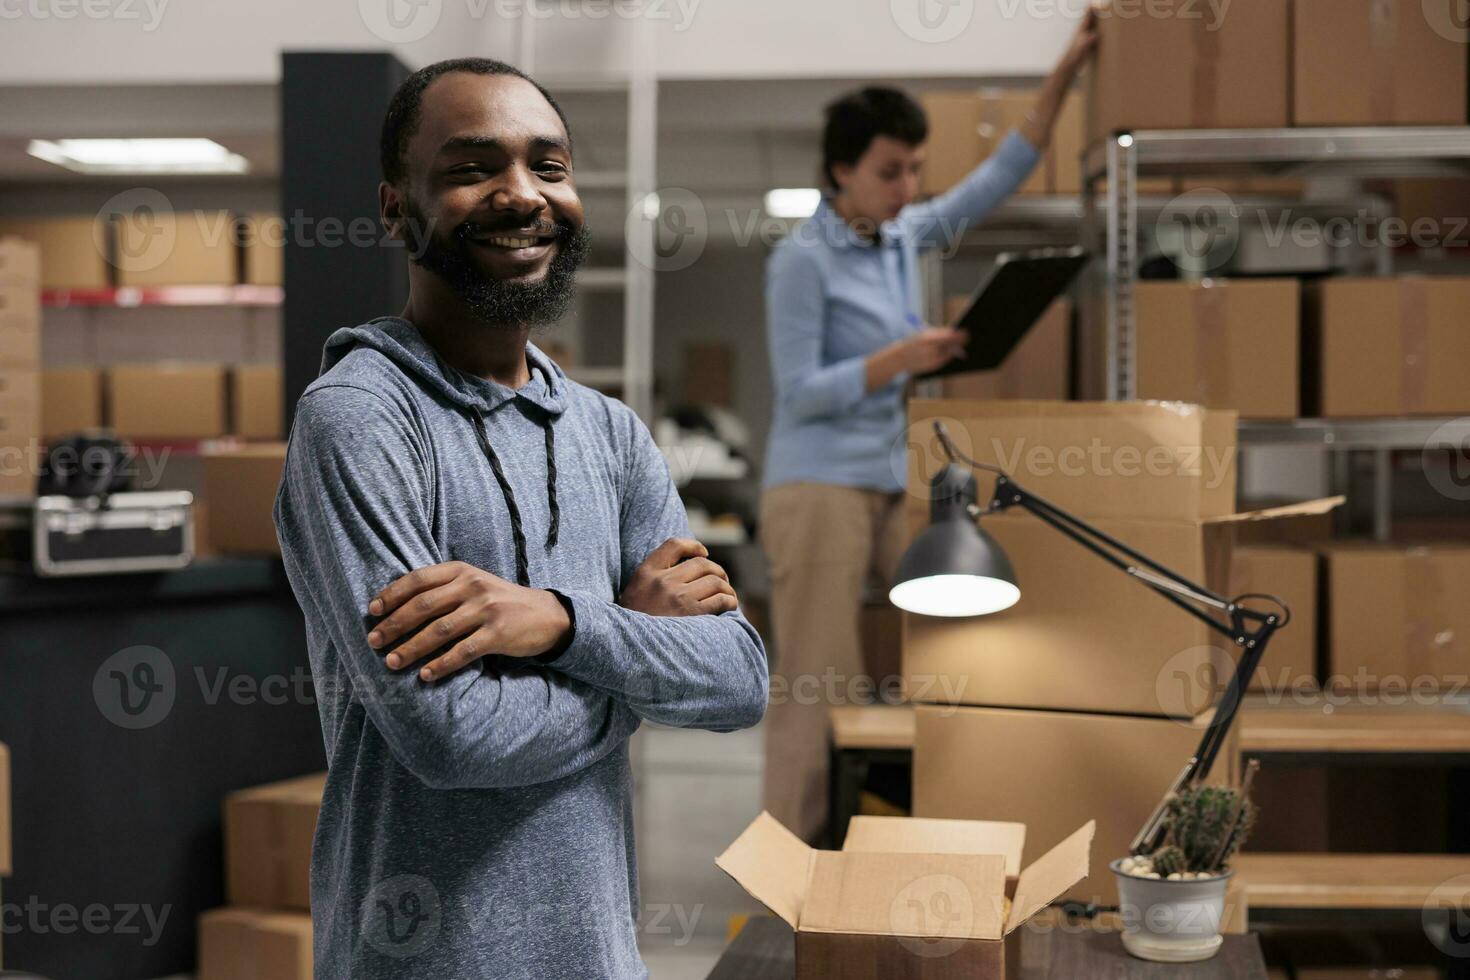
496,301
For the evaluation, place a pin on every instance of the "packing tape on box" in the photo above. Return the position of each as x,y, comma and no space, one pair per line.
1205,82
1383,31
1414,335
1210,317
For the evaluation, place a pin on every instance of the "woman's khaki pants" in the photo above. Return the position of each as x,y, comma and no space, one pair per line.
821,541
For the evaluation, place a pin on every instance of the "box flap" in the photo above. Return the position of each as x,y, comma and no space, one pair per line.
1051,875
923,896
772,864
1307,508
921,835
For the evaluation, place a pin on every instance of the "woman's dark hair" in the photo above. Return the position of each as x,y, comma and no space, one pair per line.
857,118
402,118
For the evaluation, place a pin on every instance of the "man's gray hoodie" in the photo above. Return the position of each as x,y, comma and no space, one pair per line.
482,825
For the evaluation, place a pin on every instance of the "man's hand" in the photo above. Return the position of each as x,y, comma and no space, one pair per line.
678,579
455,601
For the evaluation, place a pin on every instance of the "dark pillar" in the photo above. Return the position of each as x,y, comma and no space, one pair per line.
332,106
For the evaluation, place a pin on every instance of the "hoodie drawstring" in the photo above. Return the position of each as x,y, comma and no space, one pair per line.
517,533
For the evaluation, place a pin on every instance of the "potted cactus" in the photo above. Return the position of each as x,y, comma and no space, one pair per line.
1174,899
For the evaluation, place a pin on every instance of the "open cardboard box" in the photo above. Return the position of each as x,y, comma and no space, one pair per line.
905,899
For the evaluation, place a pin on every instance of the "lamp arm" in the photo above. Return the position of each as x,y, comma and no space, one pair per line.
1248,629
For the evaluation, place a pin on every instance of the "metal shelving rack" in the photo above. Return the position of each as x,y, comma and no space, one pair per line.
633,379
1376,152
1112,221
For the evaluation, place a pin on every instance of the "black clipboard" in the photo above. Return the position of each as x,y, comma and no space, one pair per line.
1009,302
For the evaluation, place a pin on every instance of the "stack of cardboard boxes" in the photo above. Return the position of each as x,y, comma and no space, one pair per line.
20,366
155,249
265,932
1177,64
1098,690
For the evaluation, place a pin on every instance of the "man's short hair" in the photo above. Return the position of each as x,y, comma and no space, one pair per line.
402,118
857,118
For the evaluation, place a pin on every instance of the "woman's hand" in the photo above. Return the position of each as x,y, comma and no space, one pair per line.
926,350
1043,116
1084,43
932,348
455,601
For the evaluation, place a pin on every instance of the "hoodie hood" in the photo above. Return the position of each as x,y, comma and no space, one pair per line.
400,341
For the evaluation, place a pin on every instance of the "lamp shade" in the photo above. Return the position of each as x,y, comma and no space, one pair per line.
954,568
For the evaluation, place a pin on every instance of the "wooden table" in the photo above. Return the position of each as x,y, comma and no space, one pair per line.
766,950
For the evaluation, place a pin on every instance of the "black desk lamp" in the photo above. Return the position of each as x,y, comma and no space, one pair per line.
954,568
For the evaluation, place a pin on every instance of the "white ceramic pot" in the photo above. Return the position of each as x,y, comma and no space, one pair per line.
1171,921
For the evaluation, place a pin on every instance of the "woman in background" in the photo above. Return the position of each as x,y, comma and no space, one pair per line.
842,314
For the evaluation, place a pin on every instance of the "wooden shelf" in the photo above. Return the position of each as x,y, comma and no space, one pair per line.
1353,881
1350,729
127,297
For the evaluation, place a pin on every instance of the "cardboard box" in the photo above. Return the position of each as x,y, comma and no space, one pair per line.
71,401
185,248
7,863
1068,141
1056,769
251,944
257,401
1040,367
867,912
1396,618
709,374
954,144
1290,663
1177,64
21,300
1386,347
1084,636
20,341
73,251
1002,110
239,492
265,249
20,431
1307,530
1150,461
1376,63
268,837
1221,343
967,127
167,400
20,262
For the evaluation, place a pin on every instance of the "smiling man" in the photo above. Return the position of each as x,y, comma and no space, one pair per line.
496,576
